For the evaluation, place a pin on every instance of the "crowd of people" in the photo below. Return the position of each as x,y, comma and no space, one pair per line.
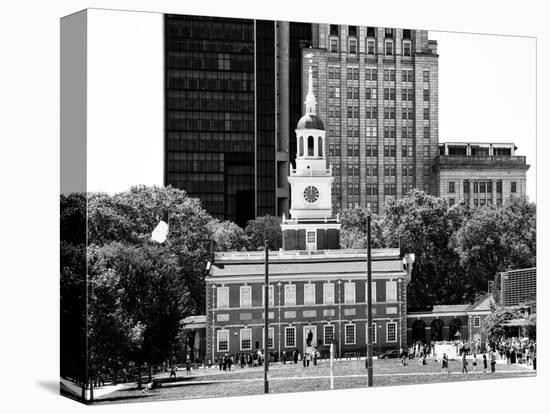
513,350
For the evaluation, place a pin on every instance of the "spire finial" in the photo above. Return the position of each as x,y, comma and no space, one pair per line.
310,102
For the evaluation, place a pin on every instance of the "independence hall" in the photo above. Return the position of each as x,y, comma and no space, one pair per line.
317,292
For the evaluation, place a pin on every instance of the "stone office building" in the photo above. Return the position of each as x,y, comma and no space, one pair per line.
317,292
378,92
479,173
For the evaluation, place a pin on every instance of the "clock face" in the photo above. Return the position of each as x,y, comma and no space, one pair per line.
311,194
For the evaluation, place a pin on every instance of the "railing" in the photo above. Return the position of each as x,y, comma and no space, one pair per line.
311,173
281,254
481,160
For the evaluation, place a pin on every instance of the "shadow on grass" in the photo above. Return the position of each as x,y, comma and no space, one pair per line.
139,394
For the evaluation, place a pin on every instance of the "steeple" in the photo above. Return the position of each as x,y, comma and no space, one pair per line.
311,102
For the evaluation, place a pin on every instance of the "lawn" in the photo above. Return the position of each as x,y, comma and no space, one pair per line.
212,382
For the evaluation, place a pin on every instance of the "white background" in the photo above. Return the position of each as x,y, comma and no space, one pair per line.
29,122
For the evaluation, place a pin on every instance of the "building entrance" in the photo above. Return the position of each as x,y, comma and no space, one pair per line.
310,339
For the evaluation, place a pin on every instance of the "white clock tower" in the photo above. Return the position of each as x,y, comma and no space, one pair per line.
311,225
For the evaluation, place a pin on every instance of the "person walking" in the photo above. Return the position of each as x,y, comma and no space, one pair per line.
464,364
173,369
444,364
493,362
474,363
484,363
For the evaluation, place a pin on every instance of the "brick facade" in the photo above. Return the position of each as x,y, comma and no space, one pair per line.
336,267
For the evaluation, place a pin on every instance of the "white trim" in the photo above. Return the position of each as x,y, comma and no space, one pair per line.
373,292
290,288
311,286
325,285
249,331
391,287
374,332
260,277
225,291
354,334
286,342
478,325
218,332
348,300
241,296
387,331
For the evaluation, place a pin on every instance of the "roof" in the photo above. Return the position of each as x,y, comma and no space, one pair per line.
450,308
193,322
331,264
310,121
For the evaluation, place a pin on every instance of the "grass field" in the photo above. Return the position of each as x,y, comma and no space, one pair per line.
208,383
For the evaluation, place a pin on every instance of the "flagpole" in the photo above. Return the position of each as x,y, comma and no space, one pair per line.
266,317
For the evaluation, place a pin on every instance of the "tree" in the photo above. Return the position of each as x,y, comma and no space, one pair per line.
264,228
130,217
423,224
227,236
353,234
73,286
494,325
495,239
137,297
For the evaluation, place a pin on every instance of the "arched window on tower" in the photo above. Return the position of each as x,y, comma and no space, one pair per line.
320,147
301,149
310,144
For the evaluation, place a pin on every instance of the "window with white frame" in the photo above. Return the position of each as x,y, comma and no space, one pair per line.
391,332
373,332
477,321
271,335
391,291
223,340
290,337
290,295
353,46
246,296
309,294
271,296
222,301
311,237
370,46
328,293
349,331
349,292
373,291
246,339
328,334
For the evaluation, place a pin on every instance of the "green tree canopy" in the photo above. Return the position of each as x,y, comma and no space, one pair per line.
495,239
264,228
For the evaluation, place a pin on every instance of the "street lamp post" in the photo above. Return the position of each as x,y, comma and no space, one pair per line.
266,318
369,303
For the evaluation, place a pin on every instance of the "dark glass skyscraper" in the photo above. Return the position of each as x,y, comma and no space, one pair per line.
221,113
210,112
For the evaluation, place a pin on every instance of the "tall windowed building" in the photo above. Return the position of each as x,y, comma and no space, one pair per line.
378,92
227,102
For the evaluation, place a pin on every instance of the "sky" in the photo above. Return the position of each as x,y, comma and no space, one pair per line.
487,92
